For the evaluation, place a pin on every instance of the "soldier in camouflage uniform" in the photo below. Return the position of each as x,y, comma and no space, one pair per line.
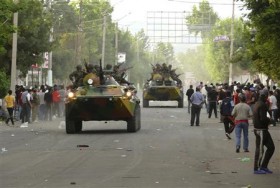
77,76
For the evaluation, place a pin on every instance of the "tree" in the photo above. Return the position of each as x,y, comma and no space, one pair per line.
265,18
164,53
7,8
4,83
202,18
142,59
218,52
33,36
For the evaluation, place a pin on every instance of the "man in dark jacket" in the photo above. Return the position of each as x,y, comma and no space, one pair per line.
48,101
212,101
263,137
189,93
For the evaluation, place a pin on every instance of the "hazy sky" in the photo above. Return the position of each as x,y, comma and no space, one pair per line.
132,14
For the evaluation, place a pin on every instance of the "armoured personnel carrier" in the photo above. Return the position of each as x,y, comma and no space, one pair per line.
164,85
101,98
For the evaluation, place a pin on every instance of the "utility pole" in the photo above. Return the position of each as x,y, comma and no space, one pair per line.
231,43
14,53
116,43
79,50
50,75
103,40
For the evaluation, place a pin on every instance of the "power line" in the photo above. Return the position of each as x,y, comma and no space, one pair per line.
193,2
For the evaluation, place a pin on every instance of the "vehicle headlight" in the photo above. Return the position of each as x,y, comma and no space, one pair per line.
90,81
71,95
128,94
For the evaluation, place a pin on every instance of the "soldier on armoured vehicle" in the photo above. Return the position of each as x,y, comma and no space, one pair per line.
77,76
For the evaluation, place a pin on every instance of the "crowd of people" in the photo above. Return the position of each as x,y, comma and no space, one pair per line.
30,105
237,103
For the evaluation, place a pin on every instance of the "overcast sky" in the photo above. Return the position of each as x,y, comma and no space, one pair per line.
132,14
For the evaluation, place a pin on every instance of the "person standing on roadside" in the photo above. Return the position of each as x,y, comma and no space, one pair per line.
42,105
273,107
62,93
10,105
189,93
241,113
48,101
56,100
263,137
26,106
197,101
226,108
35,105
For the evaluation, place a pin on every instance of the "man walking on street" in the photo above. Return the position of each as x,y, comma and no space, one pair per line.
241,113
226,110
212,101
197,101
263,137
189,93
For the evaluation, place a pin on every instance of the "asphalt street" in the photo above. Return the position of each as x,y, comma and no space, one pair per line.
166,152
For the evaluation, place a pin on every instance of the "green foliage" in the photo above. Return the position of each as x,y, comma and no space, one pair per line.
7,8
202,18
4,84
218,52
265,19
33,36
164,53
142,59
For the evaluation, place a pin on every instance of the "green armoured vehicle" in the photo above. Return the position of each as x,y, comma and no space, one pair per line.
102,98
163,87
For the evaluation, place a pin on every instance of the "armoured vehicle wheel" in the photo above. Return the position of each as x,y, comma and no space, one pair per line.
79,125
134,123
145,103
181,103
73,126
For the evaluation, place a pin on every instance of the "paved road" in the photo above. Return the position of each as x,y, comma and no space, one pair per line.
166,152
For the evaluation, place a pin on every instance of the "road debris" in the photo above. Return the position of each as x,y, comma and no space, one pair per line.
61,125
245,159
82,146
4,150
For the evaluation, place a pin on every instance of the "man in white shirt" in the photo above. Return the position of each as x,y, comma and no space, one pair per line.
273,107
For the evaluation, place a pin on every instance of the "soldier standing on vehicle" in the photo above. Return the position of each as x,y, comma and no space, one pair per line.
91,74
77,76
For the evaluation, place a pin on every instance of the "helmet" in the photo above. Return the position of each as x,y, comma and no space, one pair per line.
79,67
242,97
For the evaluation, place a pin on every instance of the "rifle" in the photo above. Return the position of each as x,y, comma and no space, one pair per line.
125,69
86,65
